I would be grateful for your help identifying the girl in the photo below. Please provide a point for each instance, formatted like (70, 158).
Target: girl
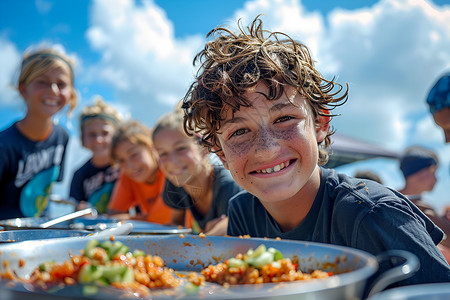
(33, 148)
(92, 184)
(193, 182)
(141, 182)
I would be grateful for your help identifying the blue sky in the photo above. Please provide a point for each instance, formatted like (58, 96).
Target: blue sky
(138, 56)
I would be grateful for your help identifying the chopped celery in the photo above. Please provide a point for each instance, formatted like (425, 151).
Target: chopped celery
(128, 275)
(236, 263)
(138, 252)
(90, 273)
(257, 252)
(114, 272)
(261, 260)
(276, 253)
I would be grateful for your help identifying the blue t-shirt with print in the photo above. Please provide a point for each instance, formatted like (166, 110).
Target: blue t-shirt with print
(356, 213)
(28, 169)
(94, 185)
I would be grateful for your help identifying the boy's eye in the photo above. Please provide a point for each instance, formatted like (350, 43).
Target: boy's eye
(180, 149)
(239, 132)
(284, 119)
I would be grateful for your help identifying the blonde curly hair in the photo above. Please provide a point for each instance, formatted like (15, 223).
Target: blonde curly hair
(233, 63)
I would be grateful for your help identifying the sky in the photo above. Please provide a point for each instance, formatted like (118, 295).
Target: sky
(137, 55)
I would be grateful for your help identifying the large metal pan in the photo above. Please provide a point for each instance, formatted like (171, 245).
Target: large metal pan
(429, 291)
(93, 224)
(192, 253)
(38, 234)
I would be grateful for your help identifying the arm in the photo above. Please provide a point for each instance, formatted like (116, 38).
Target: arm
(217, 226)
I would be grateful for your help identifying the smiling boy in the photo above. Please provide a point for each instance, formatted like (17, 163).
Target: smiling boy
(261, 105)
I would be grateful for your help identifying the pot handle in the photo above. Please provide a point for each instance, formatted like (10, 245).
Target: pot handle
(409, 266)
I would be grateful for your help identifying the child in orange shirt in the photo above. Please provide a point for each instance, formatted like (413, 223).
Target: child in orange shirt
(141, 181)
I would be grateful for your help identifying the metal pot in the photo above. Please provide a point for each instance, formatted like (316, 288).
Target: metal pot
(93, 224)
(430, 291)
(192, 253)
(38, 234)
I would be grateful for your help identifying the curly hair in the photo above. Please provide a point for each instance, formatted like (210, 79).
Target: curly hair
(233, 63)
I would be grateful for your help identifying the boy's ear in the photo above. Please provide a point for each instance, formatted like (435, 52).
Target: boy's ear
(323, 126)
(222, 157)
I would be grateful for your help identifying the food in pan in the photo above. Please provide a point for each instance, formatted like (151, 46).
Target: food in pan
(105, 264)
(111, 264)
(261, 265)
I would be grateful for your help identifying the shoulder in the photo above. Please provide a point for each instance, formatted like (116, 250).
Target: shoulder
(357, 196)
(9, 135)
(59, 132)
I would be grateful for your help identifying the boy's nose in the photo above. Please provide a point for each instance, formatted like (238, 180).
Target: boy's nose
(266, 144)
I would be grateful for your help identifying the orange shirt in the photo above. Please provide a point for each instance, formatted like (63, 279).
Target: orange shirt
(128, 193)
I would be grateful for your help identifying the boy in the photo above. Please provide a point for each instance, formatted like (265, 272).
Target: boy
(261, 105)
(439, 102)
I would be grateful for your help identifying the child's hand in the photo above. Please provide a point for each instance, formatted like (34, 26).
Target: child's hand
(217, 226)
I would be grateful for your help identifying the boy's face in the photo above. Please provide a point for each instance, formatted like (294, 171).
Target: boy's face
(180, 157)
(97, 136)
(136, 161)
(271, 147)
(442, 119)
(47, 94)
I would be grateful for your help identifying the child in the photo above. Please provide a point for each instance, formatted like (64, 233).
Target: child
(263, 107)
(419, 166)
(94, 181)
(33, 149)
(439, 102)
(141, 181)
(193, 182)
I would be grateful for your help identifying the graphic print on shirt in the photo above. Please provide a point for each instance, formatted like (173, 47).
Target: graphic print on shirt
(100, 198)
(37, 172)
(34, 196)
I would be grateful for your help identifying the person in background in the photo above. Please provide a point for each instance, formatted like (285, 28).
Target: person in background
(141, 182)
(263, 107)
(92, 183)
(419, 165)
(439, 102)
(33, 149)
(366, 174)
(192, 181)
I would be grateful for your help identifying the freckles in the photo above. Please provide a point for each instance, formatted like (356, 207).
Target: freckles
(287, 134)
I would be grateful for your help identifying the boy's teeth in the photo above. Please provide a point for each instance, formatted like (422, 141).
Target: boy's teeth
(274, 169)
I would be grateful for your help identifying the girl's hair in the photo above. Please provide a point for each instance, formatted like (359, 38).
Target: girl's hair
(37, 62)
(171, 120)
(233, 63)
(100, 110)
(134, 132)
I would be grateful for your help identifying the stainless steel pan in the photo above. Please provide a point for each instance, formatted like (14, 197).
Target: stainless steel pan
(92, 224)
(191, 253)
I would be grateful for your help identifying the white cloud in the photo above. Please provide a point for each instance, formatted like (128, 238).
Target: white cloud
(141, 58)
(9, 60)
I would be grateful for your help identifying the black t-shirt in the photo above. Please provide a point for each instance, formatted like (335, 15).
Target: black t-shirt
(355, 213)
(94, 185)
(28, 170)
(224, 187)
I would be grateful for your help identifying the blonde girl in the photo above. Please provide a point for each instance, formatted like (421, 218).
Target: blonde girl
(92, 183)
(192, 181)
(141, 181)
(33, 149)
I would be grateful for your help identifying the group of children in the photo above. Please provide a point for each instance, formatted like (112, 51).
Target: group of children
(261, 106)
